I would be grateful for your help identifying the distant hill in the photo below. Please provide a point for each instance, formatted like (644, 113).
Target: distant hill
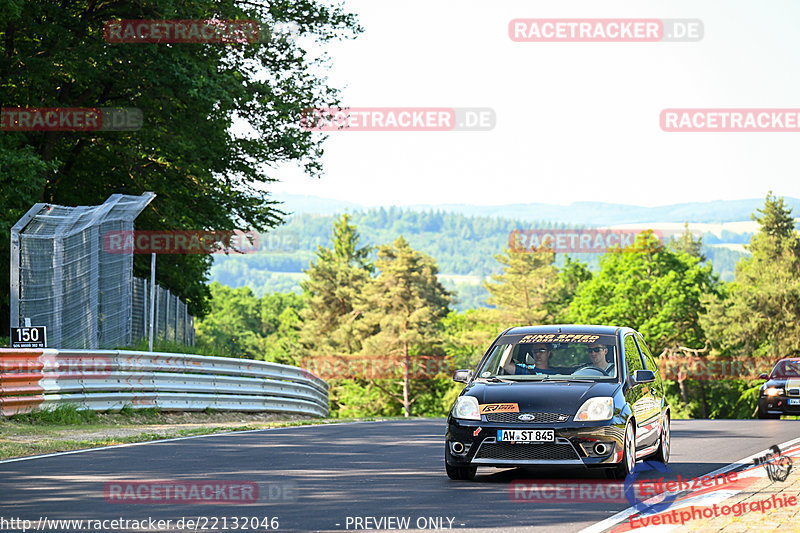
(463, 246)
(588, 213)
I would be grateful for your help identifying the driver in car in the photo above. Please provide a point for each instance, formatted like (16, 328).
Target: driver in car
(538, 353)
(597, 356)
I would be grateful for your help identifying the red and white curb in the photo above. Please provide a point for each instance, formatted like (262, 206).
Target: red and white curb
(747, 475)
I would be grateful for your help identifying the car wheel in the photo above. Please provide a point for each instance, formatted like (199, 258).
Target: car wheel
(625, 466)
(662, 454)
(461, 473)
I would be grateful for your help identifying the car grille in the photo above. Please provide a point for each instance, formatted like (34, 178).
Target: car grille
(540, 418)
(542, 452)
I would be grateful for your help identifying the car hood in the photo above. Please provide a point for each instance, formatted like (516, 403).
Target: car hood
(541, 396)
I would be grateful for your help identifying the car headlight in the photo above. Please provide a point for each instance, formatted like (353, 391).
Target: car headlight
(596, 409)
(773, 391)
(466, 408)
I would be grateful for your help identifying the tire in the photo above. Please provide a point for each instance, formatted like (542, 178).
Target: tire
(628, 454)
(662, 453)
(460, 473)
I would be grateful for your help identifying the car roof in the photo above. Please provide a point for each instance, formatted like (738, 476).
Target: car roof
(564, 328)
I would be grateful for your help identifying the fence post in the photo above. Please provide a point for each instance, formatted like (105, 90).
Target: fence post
(152, 298)
(94, 289)
(15, 253)
(146, 312)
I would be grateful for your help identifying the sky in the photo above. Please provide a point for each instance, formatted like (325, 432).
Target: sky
(574, 121)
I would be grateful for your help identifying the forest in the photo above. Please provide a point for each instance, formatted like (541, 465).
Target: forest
(361, 303)
(464, 248)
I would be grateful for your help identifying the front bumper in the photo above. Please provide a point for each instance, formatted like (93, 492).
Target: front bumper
(779, 405)
(574, 445)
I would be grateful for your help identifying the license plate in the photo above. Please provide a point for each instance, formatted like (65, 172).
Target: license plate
(794, 401)
(526, 435)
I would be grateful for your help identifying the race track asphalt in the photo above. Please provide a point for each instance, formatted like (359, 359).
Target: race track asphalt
(313, 478)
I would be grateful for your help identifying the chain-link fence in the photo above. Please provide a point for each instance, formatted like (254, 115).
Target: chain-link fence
(87, 298)
(172, 319)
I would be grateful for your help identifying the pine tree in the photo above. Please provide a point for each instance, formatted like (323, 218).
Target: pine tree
(761, 314)
(334, 282)
(776, 220)
(686, 242)
(529, 289)
(400, 308)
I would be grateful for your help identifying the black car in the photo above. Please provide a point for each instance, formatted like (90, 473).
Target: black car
(780, 395)
(566, 395)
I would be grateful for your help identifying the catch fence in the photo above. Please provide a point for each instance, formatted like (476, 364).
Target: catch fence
(62, 278)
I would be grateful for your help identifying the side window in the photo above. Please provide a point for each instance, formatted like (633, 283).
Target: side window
(632, 357)
(648, 358)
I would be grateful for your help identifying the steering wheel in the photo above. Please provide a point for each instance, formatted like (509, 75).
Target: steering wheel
(589, 367)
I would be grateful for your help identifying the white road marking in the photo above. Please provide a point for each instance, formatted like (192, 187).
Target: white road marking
(624, 514)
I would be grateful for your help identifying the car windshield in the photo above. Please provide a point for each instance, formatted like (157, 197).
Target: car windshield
(787, 369)
(571, 357)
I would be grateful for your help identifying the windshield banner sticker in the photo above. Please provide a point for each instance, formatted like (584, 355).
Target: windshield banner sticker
(564, 337)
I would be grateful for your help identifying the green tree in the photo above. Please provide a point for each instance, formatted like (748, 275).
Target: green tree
(22, 177)
(53, 54)
(648, 287)
(467, 335)
(401, 309)
(571, 275)
(334, 283)
(280, 327)
(686, 242)
(241, 325)
(760, 313)
(529, 289)
(232, 326)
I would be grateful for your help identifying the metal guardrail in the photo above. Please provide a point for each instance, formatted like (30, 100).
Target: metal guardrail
(104, 380)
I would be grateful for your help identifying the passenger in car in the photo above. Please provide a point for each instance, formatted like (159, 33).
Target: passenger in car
(536, 360)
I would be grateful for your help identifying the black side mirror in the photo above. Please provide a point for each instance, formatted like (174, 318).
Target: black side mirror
(462, 376)
(643, 376)
(763, 376)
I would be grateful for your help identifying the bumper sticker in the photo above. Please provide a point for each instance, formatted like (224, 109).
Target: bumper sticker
(499, 408)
